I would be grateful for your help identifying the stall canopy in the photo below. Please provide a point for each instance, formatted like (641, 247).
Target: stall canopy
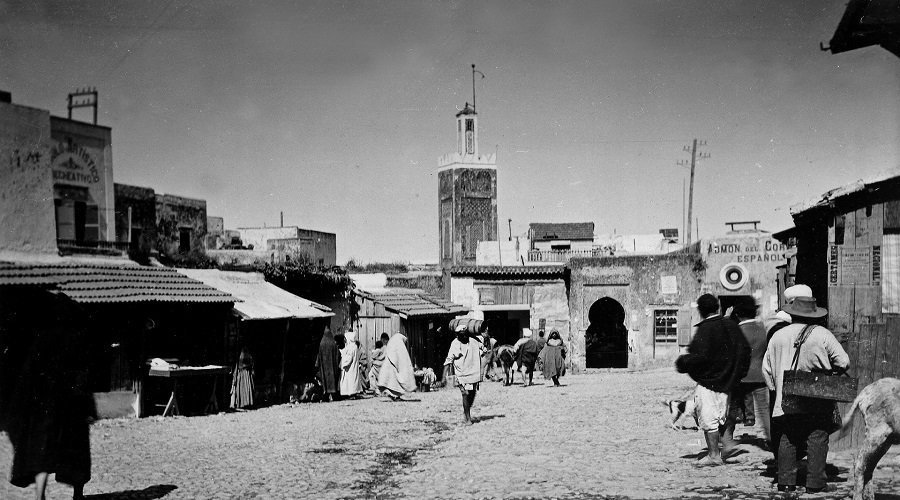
(111, 283)
(259, 299)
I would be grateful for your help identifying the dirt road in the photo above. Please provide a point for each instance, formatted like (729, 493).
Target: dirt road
(601, 435)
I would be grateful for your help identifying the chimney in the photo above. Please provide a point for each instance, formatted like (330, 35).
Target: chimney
(5, 97)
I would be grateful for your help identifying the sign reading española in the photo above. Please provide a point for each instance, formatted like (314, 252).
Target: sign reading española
(750, 252)
(71, 162)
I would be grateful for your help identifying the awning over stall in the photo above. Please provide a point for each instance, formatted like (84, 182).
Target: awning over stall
(93, 283)
(259, 298)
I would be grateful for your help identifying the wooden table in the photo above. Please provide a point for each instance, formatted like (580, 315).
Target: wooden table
(190, 371)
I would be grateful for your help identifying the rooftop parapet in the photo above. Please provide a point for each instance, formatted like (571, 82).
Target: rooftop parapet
(481, 161)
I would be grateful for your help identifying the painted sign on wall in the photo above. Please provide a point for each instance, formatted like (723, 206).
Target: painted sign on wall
(854, 266)
(72, 163)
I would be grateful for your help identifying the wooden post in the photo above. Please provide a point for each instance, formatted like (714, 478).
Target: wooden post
(287, 327)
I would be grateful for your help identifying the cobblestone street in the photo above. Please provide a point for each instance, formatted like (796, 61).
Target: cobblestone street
(601, 435)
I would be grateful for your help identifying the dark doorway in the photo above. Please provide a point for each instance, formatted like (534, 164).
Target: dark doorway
(506, 326)
(726, 301)
(606, 338)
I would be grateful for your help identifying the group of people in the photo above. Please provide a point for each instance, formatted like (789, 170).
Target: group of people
(346, 371)
(737, 361)
(470, 358)
(548, 354)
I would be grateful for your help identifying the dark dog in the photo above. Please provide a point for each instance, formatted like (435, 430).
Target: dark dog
(879, 404)
(505, 356)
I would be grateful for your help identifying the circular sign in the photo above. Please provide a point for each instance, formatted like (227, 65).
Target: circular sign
(733, 276)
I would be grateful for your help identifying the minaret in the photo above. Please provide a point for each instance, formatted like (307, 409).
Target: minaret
(467, 195)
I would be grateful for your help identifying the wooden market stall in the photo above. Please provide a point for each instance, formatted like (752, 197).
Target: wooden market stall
(423, 318)
(281, 330)
(848, 251)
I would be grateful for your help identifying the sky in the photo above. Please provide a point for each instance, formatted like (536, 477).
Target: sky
(336, 113)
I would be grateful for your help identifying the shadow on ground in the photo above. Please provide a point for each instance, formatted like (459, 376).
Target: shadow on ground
(148, 493)
(485, 418)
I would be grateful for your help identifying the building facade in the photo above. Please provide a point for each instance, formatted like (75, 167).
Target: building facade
(180, 225)
(467, 195)
(632, 311)
(510, 298)
(83, 191)
(136, 218)
(26, 193)
(744, 263)
(558, 242)
(280, 243)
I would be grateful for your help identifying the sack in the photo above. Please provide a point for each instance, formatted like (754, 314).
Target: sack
(819, 385)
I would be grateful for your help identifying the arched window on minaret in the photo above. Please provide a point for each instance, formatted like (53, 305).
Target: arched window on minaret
(467, 131)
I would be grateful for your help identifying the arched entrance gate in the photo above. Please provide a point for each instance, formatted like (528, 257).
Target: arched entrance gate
(606, 338)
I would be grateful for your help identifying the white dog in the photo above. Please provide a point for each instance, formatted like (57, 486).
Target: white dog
(681, 407)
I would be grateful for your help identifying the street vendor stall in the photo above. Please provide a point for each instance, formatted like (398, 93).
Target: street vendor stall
(176, 373)
(279, 329)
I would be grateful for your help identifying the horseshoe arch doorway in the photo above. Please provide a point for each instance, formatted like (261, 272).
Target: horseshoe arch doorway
(606, 338)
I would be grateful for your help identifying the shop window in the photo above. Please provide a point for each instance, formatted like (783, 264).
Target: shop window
(665, 326)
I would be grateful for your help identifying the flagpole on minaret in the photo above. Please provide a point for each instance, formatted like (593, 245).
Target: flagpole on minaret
(473, 84)
(473, 87)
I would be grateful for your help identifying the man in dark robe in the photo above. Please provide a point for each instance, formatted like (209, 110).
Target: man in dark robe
(526, 356)
(718, 358)
(51, 405)
(328, 363)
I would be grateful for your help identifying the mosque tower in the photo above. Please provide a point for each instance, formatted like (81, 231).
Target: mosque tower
(467, 195)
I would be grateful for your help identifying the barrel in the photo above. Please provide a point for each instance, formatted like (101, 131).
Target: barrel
(473, 326)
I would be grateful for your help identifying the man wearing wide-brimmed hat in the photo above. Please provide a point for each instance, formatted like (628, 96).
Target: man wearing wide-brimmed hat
(802, 425)
(781, 319)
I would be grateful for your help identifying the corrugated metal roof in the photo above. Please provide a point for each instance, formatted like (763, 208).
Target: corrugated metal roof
(259, 299)
(561, 231)
(412, 303)
(102, 283)
(543, 271)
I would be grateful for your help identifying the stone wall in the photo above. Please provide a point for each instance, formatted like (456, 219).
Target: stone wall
(26, 182)
(641, 284)
(550, 303)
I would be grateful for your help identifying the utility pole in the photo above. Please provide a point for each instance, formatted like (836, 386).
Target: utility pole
(84, 98)
(695, 156)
